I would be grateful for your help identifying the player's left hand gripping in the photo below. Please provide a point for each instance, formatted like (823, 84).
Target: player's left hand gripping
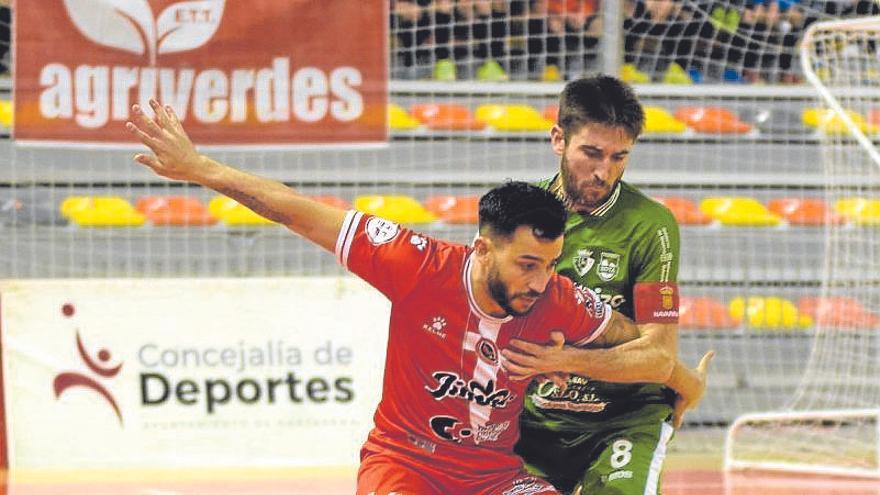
(683, 405)
(174, 155)
(523, 360)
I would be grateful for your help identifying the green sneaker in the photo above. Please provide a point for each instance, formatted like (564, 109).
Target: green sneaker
(444, 70)
(731, 20)
(717, 18)
(675, 74)
(491, 71)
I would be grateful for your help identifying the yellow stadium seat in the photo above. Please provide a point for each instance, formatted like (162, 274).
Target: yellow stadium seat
(233, 213)
(399, 119)
(827, 121)
(513, 118)
(657, 119)
(769, 312)
(861, 211)
(101, 211)
(738, 211)
(6, 113)
(400, 209)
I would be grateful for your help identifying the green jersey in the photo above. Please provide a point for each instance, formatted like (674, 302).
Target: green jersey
(628, 240)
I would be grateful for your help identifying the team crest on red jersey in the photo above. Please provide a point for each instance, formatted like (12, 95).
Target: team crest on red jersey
(487, 351)
(381, 231)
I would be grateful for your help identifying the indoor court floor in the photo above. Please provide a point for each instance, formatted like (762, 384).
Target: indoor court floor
(677, 481)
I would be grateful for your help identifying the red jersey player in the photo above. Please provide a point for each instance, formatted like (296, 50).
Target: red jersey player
(447, 420)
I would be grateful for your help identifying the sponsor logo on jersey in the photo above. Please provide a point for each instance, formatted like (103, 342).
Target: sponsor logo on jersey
(449, 384)
(422, 443)
(529, 485)
(656, 302)
(436, 326)
(613, 300)
(584, 298)
(618, 475)
(578, 395)
(490, 432)
(609, 266)
(487, 351)
(381, 231)
(583, 261)
(418, 241)
(452, 429)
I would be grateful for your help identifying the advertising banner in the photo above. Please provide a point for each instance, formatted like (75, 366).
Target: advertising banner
(293, 72)
(190, 373)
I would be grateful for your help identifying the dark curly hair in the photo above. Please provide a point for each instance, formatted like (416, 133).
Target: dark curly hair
(514, 204)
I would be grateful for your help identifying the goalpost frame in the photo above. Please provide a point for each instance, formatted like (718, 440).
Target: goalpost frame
(731, 464)
(861, 24)
(867, 24)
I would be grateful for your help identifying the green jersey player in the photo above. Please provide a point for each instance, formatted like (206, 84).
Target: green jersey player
(606, 430)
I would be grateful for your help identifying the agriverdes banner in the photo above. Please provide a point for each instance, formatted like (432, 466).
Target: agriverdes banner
(292, 72)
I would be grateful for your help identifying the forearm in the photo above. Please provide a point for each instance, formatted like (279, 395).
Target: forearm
(275, 201)
(637, 361)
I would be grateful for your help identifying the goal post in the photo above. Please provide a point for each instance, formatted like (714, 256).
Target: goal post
(831, 425)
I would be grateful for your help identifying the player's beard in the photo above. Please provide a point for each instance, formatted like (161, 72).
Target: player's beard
(500, 292)
(574, 199)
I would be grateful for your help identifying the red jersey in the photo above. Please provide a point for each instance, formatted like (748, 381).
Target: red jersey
(445, 397)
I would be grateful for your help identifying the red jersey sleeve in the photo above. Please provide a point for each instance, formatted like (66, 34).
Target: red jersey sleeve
(586, 314)
(386, 256)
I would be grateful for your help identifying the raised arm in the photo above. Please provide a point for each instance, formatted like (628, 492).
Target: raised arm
(175, 157)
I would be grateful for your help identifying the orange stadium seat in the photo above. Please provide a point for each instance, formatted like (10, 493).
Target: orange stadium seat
(684, 210)
(704, 313)
(455, 209)
(101, 211)
(513, 118)
(174, 211)
(400, 209)
(769, 312)
(804, 211)
(551, 113)
(838, 311)
(712, 120)
(874, 117)
(738, 211)
(446, 117)
(233, 213)
(331, 200)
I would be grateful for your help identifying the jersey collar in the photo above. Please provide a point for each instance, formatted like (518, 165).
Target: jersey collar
(606, 206)
(556, 188)
(466, 279)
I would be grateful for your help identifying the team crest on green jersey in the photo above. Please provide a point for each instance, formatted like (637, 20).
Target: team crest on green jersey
(583, 261)
(609, 264)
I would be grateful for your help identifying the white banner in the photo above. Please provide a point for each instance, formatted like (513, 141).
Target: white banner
(190, 373)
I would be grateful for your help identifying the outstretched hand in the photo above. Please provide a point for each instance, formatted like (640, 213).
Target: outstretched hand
(174, 155)
(684, 404)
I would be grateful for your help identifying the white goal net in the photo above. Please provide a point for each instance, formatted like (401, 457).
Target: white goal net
(831, 423)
